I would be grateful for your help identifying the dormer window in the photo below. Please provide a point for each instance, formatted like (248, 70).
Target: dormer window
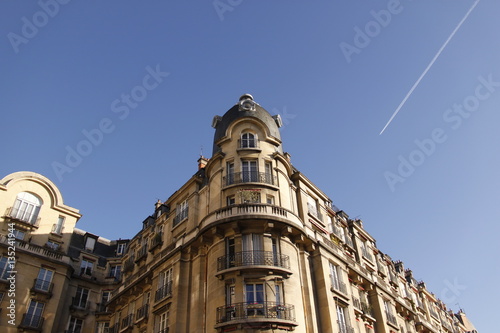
(248, 140)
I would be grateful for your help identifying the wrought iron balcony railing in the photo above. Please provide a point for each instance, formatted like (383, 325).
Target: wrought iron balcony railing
(269, 310)
(181, 216)
(142, 312)
(253, 258)
(128, 321)
(141, 253)
(163, 292)
(249, 177)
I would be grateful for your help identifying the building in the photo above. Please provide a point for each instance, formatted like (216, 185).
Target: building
(247, 244)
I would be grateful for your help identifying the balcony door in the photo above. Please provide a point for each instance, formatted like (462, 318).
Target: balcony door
(254, 296)
(253, 250)
(249, 171)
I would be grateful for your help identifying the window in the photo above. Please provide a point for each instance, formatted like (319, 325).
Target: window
(120, 248)
(44, 279)
(230, 253)
(164, 285)
(4, 268)
(229, 173)
(18, 234)
(252, 242)
(336, 278)
(161, 322)
(249, 171)
(115, 271)
(388, 313)
(181, 212)
(53, 245)
(90, 243)
(33, 317)
(102, 327)
(26, 207)
(269, 173)
(248, 140)
(58, 227)
(250, 196)
(105, 297)
(254, 296)
(312, 207)
(270, 200)
(343, 320)
(75, 325)
(364, 250)
(86, 267)
(81, 298)
(231, 200)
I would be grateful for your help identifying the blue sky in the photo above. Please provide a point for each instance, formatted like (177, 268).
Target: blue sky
(426, 189)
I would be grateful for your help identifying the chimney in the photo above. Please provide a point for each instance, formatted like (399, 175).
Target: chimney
(202, 162)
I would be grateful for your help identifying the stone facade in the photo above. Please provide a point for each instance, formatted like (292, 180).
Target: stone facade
(247, 244)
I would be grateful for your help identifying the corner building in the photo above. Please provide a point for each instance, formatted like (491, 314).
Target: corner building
(247, 244)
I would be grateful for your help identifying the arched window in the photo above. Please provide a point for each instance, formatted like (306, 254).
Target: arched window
(26, 207)
(248, 140)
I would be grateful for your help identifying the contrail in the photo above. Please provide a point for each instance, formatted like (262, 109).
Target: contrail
(430, 65)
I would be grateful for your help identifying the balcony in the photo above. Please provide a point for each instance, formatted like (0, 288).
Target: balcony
(142, 253)
(181, 216)
(250, 144)
(23, 218)
(252, 259)
(251, 211)
(42, 287)
(249, 177)
(127, 322)
(36, 249)
(156, 240)
(128, 265)
(142, 313)
(260, 312)
(163, 292)
(31, 322)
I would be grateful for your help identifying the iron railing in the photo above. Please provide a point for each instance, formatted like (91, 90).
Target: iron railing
(253, 258)
(142, 312)
(163, 292)
(270, 310)
(249, 177)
